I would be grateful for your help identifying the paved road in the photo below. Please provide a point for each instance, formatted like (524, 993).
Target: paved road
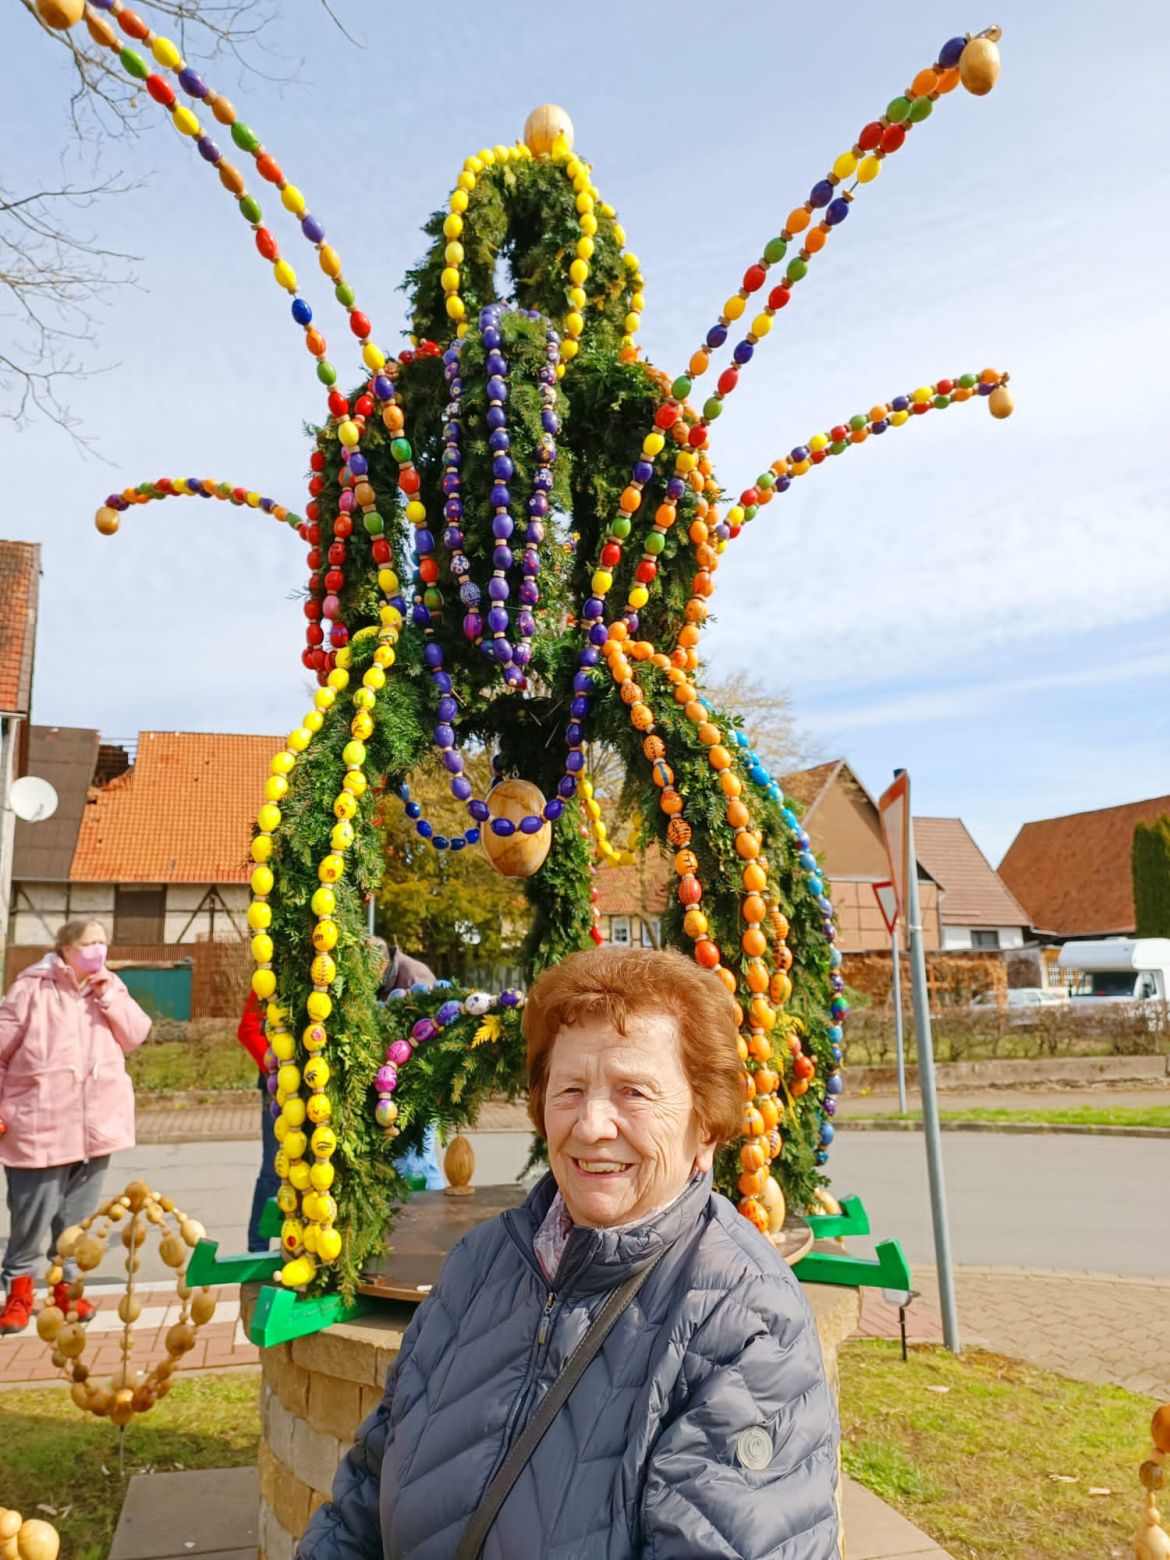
(1088, 1204)
(1078, 1203)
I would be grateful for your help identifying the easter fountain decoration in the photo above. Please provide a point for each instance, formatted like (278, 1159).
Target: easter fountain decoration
(514, 528)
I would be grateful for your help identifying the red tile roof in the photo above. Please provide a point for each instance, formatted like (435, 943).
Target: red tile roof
(1072, 874)
(20, 575)
(636, 890)
(807, 786)
(973, 893)
(182, 814)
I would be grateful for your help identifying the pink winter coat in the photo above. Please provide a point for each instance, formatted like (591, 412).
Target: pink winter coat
(65, 1094)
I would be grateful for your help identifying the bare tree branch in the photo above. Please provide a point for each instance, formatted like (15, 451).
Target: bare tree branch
(53, 274)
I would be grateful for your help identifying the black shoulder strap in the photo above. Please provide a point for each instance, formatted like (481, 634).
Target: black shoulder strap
(554, 1400)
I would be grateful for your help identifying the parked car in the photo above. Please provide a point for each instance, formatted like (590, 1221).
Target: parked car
(1022, 1004)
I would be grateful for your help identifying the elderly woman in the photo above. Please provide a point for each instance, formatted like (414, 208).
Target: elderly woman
(701, 1424)
(66, 1102)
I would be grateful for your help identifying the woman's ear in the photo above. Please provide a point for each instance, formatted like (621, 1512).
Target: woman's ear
(705, 1157)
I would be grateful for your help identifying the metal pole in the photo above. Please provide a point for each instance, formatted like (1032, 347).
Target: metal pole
(899, 1037)
(934, 1164)
(370, 915)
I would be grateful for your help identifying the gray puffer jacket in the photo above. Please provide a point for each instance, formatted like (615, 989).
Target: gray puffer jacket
(702, 1428)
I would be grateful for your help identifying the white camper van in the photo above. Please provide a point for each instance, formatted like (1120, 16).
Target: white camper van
(1122, 969)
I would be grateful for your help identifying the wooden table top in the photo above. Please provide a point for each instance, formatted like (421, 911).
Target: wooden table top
(431, 1224)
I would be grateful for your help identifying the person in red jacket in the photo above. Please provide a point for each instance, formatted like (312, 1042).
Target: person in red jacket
(250, 1034)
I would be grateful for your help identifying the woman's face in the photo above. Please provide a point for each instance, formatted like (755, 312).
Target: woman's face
(620, 1119)
(93, 936)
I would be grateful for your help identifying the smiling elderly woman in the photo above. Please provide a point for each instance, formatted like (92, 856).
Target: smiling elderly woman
(622, 1366)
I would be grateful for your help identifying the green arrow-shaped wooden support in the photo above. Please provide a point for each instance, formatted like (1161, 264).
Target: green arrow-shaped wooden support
(890, 1271)
(208, 1267)
(271, 1219)
(282, 1315)
(852, 1220)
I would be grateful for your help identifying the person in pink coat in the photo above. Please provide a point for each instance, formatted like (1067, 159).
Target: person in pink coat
(66, 1102)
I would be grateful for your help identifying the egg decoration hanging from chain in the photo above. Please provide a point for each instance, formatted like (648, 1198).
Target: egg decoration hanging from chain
(60, 14)
(979, 63)
(517, 836)
(129, 1391)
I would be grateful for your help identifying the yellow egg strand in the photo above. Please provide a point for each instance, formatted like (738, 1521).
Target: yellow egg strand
(606, 850)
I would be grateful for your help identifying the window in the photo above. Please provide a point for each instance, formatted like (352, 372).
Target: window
(984, 939)
(619, 931)
(139, 914)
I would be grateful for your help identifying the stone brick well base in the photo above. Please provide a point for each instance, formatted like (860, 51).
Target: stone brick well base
(316, 1391)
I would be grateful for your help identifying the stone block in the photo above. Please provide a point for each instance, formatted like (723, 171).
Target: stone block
(371, 1397)
(347, 1351)
(316, 1501)
(268, 1466)
(286, 1378)
(279, 1434)
(316, 1455)
(386, 1359)
(292, 1503)
(211, 1512)
(276, 1543)
(335, 1406)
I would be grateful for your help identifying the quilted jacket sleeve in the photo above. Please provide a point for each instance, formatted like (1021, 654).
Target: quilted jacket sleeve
(13, 1022)
(747, 1469)
(349, 1527)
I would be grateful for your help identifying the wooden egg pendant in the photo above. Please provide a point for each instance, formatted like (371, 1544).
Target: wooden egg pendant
(545, 126)
(1000, 403)
(516, 855)
(60, 13)
(774, 1202)
(979, 66)
(459, 1167)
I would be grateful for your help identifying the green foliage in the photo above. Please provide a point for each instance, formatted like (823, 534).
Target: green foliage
(450, 909)
(1151, 877)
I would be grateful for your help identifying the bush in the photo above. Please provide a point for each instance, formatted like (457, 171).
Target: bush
(977, 1034)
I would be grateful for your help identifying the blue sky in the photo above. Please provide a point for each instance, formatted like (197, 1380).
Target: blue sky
(985, 603)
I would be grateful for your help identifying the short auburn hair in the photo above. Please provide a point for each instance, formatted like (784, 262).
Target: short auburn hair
(617, 984)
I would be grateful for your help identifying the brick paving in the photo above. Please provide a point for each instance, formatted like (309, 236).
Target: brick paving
(1104, 1328)
(222, 1343)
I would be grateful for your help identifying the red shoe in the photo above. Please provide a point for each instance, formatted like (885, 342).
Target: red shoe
(15, 1316)
(63, 1302)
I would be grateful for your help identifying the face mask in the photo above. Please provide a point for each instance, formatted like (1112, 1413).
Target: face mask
(88, 960)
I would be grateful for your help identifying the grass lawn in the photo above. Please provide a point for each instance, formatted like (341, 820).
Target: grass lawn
(972, 1465)
(212, 1063)
(1074, 1116)
(56, 1456)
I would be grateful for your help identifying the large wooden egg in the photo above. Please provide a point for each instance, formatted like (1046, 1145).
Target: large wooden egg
(544, 127)
(516, 855)
(1000, 403)
(979, 66)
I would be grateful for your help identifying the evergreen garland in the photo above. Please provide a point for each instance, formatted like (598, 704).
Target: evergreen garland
(522, 214)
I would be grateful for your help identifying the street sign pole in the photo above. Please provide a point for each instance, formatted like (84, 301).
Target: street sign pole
(899, 1037)
(925, 1046)
(888, 896)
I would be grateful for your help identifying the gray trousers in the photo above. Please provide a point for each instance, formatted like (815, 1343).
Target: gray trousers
(42, 1203)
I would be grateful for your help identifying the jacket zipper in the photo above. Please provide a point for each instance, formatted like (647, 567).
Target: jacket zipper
(525, 1392)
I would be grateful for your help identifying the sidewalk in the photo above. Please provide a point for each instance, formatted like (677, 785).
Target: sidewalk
(1099, 1327)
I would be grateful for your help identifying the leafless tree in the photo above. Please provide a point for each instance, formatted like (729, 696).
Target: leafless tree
(53, 271)
(768, 721)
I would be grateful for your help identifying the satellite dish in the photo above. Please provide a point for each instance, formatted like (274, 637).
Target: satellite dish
(32, 799)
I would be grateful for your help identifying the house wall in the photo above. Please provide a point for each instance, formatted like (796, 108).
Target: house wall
(9, 734)
(845, 830)
(39, 910)
(860, 926)
(639, 933)
(959, 937)
(195, 913)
